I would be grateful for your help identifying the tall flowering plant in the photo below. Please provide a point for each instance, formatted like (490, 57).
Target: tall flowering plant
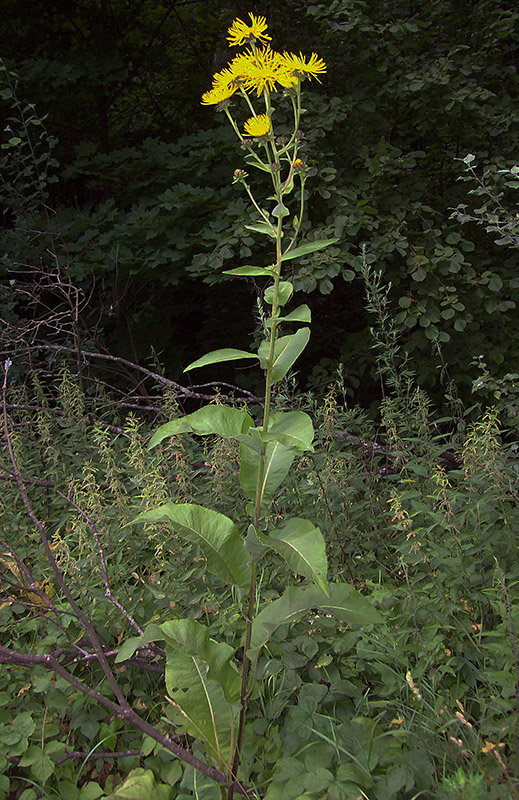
(208, 683)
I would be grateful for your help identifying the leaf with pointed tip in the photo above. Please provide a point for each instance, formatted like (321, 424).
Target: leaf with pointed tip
(259, 272)
(291, 428)
(262, 227)
(302, 546)
(194, 639)
(151, 633)
(215, 534)
(349, 605)
(280, 211)
(287, 351)
(221, 420)
(299, 314)
(278, 460)
(307, 247)
(285, 290)
(197, 670)
(218, 356)
(344, 602)
(253, 545)
(293, 604)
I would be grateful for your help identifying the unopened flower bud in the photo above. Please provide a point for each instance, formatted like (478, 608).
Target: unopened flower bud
(239, 175)
(299, 165)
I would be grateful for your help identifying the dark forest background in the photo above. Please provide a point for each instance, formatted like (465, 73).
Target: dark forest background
(119, 215)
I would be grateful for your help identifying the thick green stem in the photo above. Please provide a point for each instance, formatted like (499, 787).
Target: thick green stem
(273, 156)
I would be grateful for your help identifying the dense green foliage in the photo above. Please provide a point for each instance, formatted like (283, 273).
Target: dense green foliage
(322, 603)
(424, 705)
(143, 203)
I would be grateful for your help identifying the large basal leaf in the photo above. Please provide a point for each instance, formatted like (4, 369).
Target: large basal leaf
(291, 428)
(217, 356)
(215, 534)
(193, 638)
(286, 352)
(307, 247)
(344, 602)
(220, 420)
(302, 546)
(278, 460)
(203, 710)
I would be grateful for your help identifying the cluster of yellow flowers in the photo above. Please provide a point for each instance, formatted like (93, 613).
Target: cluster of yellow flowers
(259, 69)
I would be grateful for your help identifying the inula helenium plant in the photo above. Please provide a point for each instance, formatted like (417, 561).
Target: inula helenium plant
(209, 683)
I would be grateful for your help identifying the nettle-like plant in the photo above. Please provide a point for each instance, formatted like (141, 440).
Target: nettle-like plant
(208, 684)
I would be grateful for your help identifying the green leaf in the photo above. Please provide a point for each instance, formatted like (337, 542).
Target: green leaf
(280, 211)
(291, 606)
(287, 351)
(221, 420)
(419, 275)
(259, 272)
(151, 634)
(140, 784)
(307, 247)
(495, 283)
(344, 602)
(24, 724)
(253, 545)
(218, 356)
(91, 791)
(42, 766)
(215, 534)
(278, 460)
(302, 546)
(197, 668)
(291, 428)
(349, 605)
(299, 314)
(262, 227)
(285, 290)
(194, 639)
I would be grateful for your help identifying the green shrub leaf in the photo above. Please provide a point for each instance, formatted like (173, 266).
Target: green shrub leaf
(140, 784)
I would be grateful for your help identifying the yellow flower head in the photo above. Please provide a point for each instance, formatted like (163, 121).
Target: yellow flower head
(217, 95)
(301, 67)
(240, 33)
(261, 69)
(257, 126)
(225, 78)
